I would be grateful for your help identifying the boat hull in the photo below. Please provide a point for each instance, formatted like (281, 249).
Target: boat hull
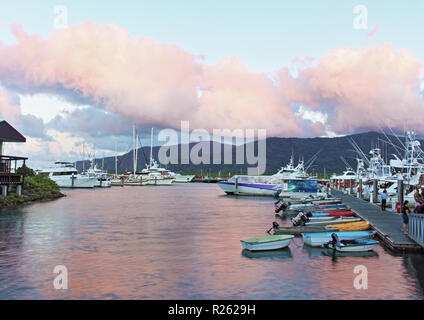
(332, 221)
(248, 189)
(79, 182)
(319, 239)
(361, 246)
(297, 231)
(266, 246)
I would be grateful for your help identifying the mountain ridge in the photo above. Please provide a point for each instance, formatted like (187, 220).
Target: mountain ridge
(278, 153)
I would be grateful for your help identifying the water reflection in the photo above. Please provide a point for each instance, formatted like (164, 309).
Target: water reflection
(181, 242)
(268, 255)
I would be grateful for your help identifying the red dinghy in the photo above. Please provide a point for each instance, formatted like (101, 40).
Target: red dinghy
(341, 214)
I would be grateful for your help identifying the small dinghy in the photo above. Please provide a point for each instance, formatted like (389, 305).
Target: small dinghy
(331, 214)
(274, 242)
(297, 231)
(319, 239)
(353, 226)
(345, 213)
(303, 220)
(354, 245)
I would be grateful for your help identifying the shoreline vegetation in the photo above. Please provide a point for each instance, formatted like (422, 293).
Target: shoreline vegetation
(36, 188)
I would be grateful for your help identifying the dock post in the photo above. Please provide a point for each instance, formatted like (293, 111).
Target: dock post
(360, 189)
(19, 189)
(375, 191)
(236, 184)
(351, 187)
(4, 191)
(400, 192)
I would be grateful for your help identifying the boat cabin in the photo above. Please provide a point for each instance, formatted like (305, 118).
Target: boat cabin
(9, 177)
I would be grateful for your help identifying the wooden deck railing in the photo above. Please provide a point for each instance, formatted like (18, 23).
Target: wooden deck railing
(8, 170)
(416, 228)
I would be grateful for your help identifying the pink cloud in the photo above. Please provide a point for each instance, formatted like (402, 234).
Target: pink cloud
(362, 88)
(149, 82)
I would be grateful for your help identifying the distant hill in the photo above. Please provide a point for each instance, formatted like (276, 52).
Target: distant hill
(278, 153)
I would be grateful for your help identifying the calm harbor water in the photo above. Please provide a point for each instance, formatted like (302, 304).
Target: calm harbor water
(178, 242)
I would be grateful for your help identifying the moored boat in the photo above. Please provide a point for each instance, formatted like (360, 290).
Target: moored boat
(297, 231)
(319, 239)
(303, 220)
(354, 245)
(353, 226)
(273, 242)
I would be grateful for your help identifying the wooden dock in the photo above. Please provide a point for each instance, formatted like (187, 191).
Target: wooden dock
(387, 224)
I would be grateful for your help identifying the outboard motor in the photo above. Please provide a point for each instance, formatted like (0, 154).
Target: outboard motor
(309, 214)
(335, 240)
(281, 206)
(300, 219)
(275, 226)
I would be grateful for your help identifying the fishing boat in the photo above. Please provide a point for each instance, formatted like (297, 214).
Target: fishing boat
(319, 239)
(103, 178)
(273, 242)
(354, 245)
(153, 174)
(353, 226)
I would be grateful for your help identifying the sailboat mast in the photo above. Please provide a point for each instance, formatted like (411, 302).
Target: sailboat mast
(83, 157)
(136, 152)
(151, 149)
(116, 158)
(134, 149)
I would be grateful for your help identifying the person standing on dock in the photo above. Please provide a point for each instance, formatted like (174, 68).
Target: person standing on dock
(384, 200)
(405, 216)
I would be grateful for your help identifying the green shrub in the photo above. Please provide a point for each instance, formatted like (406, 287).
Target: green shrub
(41, 183)
(26, 171)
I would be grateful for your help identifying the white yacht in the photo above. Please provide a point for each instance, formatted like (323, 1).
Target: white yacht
(153, 174)
(66, 176)
(103, 178)
(287, 182)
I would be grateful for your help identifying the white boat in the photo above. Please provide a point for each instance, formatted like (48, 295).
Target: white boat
(66, 176)
(302, 220)
(181, 178)
(274, 242)
(153, 174)
(289, 181)
(103, 178)
(319, 239)
(355, 245)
